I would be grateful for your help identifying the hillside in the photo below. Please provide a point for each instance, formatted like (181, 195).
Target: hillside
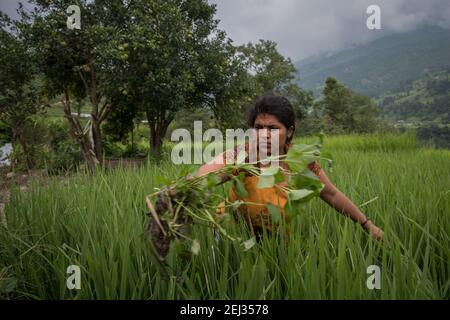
(425, 99)
(385, 65)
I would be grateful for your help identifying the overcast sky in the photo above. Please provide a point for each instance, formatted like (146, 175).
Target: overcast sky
(305, 27)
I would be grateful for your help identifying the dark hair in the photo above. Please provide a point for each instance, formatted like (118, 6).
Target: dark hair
(273, 104)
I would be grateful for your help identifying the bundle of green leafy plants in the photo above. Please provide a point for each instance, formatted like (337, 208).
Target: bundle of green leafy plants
(192, 199)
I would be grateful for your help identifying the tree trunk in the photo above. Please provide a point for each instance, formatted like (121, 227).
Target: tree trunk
(79, 106)
(132, 141)
(77, 133)
(89, 155)
(24, 145)
(98, 113)
(18, 137)
(97, 139)
(158, 127)
(155, 140)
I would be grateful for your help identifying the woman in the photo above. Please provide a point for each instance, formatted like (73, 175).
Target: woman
(274, 114)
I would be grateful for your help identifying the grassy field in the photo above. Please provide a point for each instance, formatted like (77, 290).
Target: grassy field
(98, 223)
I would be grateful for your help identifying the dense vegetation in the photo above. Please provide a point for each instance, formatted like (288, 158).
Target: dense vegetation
(131, 61)
(426, 99)
(140, 68)
(341, 110)
(407, 73)
(97, 222)
(74, 101)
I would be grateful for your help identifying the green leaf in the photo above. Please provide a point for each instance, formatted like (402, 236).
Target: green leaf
(248, 244)
(270, 171)
(293, 159)
(195, 247)
(265, 181)
(212, 179)
(274, 212)
(248, 168)
(300, 155)
(305, 179)
(279, 177)
(300, 194)
(240, 188)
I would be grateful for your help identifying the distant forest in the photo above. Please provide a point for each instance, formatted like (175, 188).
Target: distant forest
(426, 99)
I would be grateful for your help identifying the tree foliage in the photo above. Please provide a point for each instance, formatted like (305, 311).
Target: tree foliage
(346, 111)
(21, 87)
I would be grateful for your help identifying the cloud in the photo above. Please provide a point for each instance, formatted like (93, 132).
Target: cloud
(10, 7)
(305, 27)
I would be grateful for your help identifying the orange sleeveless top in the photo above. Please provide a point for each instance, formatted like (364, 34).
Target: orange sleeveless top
(254, 210)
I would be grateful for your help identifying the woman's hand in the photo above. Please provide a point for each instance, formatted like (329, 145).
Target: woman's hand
(336, 199)
(374, 231)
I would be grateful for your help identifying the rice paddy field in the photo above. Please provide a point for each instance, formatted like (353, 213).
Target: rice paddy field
(97, 223)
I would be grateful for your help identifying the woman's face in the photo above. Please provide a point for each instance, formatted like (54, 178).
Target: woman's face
(268, 128)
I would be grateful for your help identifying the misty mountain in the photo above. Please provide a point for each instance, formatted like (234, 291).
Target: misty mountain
(386, 65)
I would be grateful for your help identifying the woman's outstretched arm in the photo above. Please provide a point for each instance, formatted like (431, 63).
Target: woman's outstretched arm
(339, 201)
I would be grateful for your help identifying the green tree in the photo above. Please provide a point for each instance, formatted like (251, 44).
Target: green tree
(167, 46)
(230, 85)
(75, 61)
(269, 71)
(346, 111)
(21, 87)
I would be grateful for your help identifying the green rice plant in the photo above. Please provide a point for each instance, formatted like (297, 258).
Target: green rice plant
(97, 222)
(382, 142)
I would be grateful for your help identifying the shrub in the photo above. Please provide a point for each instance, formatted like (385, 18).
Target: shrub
(49, 146)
